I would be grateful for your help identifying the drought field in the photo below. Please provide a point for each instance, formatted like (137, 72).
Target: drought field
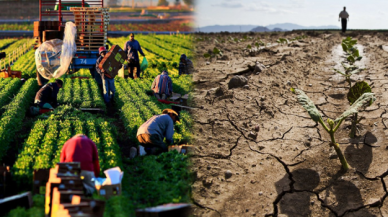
(260, 153)
(29, 143)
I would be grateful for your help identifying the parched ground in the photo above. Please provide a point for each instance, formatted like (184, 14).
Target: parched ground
(289, 169)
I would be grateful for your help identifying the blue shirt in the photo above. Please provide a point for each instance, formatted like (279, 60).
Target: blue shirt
(161, 125)
(131, 48)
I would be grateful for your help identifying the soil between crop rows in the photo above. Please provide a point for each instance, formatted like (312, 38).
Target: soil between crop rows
(289, 169)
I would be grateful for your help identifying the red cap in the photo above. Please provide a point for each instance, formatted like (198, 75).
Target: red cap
(101, 49)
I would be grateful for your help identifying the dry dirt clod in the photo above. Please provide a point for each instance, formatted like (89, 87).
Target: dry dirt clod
(252, 135)
(228, 174)
(257, 129)
(237, 81)
(207, 63)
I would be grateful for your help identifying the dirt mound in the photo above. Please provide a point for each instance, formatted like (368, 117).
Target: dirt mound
(237, 81)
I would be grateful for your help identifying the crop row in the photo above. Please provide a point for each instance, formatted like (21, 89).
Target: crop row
(6, 42)
(184, 42)
(173, 48)
(15, 113)
(43, 147)
(81, 93)
(26, 64)
(170, 26)
(8, 90)
(12, 51)
(136, 107)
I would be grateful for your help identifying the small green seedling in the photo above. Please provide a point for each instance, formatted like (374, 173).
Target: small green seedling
(282, 41)
(354, 93)
(363, 101)
(213, 53)
(348, 46)
(349, 71)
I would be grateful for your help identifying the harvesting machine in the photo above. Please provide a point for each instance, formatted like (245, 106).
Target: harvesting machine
(91, 20)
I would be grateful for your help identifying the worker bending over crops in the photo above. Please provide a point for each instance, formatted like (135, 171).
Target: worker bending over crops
(185, 65)
(82, 149)
(162, 86)
(131, 47)
(152, 132)
(46, 97)
(108, 83)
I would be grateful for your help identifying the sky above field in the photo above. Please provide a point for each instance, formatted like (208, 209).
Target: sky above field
(363, 14)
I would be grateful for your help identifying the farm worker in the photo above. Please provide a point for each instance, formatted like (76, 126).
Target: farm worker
(185, 65)
(162, 86)
(46, 97)
(82, 149)
(344, 16)
(131, 47)
(108, 83)
(152, 132)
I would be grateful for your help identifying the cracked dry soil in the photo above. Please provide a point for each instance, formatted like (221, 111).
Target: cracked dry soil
(289, 168)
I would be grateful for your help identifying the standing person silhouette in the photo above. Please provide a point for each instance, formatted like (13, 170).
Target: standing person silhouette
(344, 16)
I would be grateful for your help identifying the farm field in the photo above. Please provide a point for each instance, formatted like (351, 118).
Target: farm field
(29, 143)
(259, 153)
(172, 26)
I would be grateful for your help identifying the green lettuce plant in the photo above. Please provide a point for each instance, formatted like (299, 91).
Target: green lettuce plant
(363, 101)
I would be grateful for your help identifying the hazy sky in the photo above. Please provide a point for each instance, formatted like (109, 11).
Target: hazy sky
(363, 14)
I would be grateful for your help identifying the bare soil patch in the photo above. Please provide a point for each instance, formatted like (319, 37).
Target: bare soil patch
(279, 159)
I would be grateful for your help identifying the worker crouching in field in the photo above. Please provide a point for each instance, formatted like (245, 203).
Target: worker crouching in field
(152, 132)
(185, 65)
(162, 86)
(108, 83)
(46, 97)
(82, 149)
(131, 47)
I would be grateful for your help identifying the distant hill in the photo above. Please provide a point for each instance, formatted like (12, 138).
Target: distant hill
(261, 29)
(291, 26)
(227, 28)
(247, 28)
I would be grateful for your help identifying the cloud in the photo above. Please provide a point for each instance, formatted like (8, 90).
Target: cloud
(265, 7)
(228, 4)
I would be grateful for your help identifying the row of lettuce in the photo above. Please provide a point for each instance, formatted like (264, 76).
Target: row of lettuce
(162, 52)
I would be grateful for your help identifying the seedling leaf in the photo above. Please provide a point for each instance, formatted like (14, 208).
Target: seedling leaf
(249, 46)
(351, 59)
(206, 55)
(344, 47)
(308, 104)
(339, 72)
(363, 101)
(355, 71)
(216, 51)
(357, 90)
